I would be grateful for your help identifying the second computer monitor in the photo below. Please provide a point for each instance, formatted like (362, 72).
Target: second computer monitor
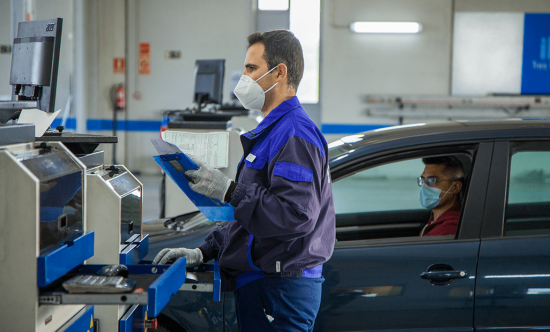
(209, 81)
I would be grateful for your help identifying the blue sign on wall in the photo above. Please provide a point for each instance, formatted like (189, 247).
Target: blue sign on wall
(535, 76)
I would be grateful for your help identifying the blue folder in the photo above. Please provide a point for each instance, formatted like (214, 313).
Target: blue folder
(175, 163)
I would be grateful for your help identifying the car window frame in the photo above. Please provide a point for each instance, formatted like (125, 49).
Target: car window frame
(471, 219)
(371, 164)
(497, 191)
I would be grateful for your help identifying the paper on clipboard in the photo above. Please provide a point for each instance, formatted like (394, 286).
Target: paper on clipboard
(175, 163)
(210, 148)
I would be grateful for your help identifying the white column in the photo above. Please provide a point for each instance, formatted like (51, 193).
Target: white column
(17, 16)
(79, 61)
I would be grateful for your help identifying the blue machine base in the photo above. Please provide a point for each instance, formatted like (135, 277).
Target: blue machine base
(170, 280)
(63, 259)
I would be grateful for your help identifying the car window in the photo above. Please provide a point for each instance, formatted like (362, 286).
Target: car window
(383, 201)
(383, 188)
(528, 205)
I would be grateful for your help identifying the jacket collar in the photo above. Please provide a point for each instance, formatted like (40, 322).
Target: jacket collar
(278, 112)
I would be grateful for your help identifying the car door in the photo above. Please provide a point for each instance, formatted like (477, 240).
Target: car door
(374, 279)
(513, 281)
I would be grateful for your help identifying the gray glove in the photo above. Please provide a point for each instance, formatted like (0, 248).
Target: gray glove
(209, 181)
(194, 256)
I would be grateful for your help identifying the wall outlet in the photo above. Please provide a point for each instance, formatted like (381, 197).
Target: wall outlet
(172, 54)
(5, 48)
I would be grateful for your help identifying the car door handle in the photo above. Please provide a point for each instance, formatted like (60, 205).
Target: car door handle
(444, 275)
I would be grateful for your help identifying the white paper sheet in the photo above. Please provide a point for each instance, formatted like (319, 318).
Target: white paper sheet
(210, 148)
(40, 119)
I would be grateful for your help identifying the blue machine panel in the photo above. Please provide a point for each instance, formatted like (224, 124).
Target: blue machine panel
(165, 286)
(535, 77)
(65, 258)
(135, 251)
(217, 286)
(134, 314)
(130, 255)
(85, 323)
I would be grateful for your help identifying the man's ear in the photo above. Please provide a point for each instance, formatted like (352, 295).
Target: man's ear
(282, 72)
(457, 188)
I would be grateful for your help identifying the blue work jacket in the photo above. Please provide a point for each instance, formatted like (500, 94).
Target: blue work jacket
(284, 212)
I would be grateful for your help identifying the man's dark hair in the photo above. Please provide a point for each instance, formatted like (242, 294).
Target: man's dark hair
(453, 166)
(282, 47)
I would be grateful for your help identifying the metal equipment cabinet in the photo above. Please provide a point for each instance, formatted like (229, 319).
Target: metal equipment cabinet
(28, 172)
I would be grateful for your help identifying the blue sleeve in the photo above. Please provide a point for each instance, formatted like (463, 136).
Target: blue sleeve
(289, 207)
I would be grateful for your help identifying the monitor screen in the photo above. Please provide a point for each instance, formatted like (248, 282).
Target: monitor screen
(35, 62)
(209, 81)
(204, 83)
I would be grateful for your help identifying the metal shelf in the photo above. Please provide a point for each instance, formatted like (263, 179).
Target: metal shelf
(458, 107)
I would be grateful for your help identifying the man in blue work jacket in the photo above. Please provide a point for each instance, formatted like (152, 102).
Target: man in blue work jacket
(272, 255)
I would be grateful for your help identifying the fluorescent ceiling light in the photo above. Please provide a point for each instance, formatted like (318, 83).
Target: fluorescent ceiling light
(386, 27)
(273, 4)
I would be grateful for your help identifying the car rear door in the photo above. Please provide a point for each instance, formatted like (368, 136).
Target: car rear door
(377, 283)
(513, 281)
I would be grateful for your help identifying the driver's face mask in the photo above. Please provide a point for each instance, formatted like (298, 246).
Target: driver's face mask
(250, 93)
(429, 196)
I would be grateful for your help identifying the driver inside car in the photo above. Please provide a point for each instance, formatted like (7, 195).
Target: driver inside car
(440, 185)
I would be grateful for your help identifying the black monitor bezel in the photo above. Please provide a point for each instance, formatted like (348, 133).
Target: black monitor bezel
(204, 66)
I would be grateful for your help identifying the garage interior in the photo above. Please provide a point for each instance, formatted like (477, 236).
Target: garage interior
(466, 61)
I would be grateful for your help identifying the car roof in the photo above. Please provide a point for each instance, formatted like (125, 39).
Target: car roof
(353, 146)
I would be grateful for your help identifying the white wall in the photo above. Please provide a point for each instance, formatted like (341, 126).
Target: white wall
(483, 45)
(528, 6)
(110, 43)
(355, 65)
(105, 40)
(488, 36)
(200, 30)
(352, 65)
(208, 29)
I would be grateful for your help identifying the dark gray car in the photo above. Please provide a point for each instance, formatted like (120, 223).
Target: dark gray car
(494, 274)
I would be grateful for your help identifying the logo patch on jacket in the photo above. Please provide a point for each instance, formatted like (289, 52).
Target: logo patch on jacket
(251, 157)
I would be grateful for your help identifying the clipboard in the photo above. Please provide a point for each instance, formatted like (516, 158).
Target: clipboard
(175, 163)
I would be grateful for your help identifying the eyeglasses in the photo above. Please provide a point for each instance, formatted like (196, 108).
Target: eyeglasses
(432, 181)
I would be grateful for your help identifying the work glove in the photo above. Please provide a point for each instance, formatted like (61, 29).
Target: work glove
(194, 256)
(209, 181)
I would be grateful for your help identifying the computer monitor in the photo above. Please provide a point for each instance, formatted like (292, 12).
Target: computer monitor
(209, 81)
(35, 62)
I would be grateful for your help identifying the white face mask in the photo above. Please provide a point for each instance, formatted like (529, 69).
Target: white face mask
(250, 93)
